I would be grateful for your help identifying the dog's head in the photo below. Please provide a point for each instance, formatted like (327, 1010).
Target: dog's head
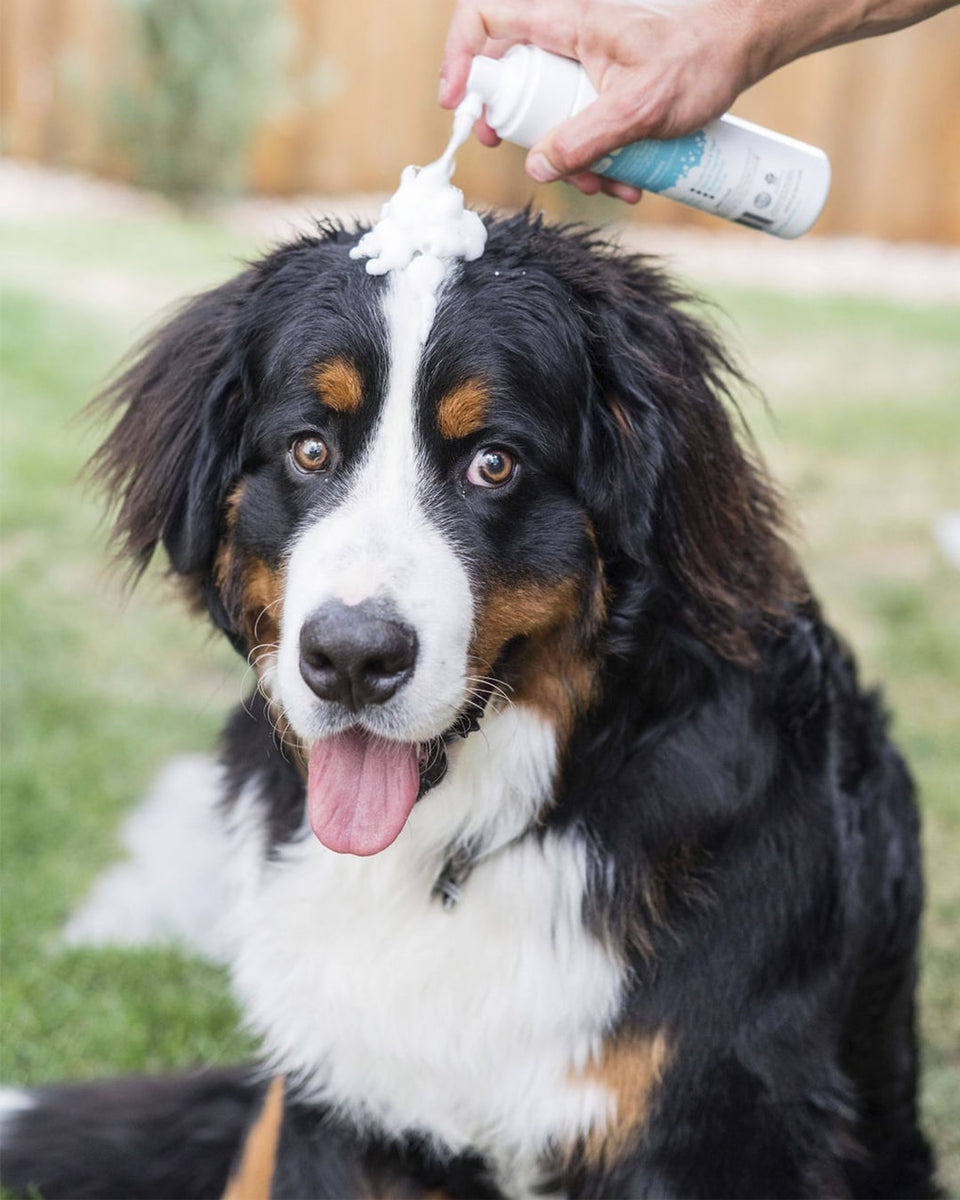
(399, 534)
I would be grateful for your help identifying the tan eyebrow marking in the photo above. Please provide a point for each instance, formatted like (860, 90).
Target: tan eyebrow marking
(339, 384)
(463, 410)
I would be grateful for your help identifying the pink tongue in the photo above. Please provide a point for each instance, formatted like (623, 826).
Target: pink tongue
(360, 791)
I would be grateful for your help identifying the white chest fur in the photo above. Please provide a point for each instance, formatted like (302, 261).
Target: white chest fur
(466, 1022)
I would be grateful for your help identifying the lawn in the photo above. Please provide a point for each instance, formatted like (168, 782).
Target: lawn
(100, 685)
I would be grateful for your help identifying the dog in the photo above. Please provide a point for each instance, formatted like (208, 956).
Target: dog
(570, 856)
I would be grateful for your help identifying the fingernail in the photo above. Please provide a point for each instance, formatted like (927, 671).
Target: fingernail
(541, 168)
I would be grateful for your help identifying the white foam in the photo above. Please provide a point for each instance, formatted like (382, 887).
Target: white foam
(424, 227)
(173, 884)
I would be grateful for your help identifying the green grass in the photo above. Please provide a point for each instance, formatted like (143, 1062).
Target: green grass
(86, 672)
(865, 435)
(99, 687)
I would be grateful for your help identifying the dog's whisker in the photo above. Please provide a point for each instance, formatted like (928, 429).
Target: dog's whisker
(267, 648)
(263, 612)
(280, 724)
(481, 689)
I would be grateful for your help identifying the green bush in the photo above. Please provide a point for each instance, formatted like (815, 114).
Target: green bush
(195, 81)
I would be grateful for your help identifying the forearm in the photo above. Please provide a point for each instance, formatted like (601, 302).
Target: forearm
(785, 30)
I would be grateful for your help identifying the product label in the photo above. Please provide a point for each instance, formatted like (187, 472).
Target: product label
(722, 170)
(655, 166)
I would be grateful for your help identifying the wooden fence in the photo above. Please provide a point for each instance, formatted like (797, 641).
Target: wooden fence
(887, 111)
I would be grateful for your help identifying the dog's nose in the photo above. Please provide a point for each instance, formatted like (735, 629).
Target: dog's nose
(356, 655)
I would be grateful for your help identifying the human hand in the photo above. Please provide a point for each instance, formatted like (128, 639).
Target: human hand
(662, 68)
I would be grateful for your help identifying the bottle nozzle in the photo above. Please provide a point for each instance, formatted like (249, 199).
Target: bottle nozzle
(484, 77)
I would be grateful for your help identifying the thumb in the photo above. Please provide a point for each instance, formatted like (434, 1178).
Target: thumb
(610, 122)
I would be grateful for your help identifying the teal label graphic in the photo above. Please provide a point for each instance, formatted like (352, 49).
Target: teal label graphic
(654, 165)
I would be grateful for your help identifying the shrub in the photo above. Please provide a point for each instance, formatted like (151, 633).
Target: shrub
(196, 79)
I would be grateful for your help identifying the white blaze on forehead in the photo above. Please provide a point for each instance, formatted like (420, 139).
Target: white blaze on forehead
(379, 542)
(424, 227)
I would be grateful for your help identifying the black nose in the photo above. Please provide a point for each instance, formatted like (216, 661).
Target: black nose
(356, 655)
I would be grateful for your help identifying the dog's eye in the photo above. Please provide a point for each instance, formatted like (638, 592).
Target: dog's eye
(309, 453)
(491, 467)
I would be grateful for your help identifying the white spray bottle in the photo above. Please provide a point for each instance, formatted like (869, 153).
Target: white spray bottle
(730, 168)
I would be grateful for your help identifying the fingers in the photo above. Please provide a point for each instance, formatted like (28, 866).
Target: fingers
(484, 134)
(585, 182)
(576, 144)
(590, 185)
(655, 75)
(492, 26)
(453, 88)
(621, 191)
(466, 37)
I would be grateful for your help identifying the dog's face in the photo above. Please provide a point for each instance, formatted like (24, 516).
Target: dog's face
(401, 532)
(407, 518)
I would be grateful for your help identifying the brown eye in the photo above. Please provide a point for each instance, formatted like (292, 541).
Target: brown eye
(491, 467)
(309, 453)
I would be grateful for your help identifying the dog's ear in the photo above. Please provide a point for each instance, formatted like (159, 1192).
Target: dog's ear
(674, 490)
(175, 450)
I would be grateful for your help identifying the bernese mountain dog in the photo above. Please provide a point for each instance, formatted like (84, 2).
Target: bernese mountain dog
(571, 858)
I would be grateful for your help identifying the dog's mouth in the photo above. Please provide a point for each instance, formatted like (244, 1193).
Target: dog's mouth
(362, 788)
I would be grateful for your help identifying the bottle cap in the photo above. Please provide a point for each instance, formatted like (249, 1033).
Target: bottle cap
(484, 78)
(528, 91)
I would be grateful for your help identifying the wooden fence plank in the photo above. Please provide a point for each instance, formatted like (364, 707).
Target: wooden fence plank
(361, 104)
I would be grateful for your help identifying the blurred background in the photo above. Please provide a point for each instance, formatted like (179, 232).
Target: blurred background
(149, 148)
(332, 96)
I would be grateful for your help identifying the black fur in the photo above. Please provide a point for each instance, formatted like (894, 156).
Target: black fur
(752, 831)
(174, 1138)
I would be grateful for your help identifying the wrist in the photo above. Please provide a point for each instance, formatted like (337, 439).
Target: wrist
(776, 32)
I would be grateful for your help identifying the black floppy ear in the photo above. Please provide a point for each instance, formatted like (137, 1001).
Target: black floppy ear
(170, 459)
(677, 495)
